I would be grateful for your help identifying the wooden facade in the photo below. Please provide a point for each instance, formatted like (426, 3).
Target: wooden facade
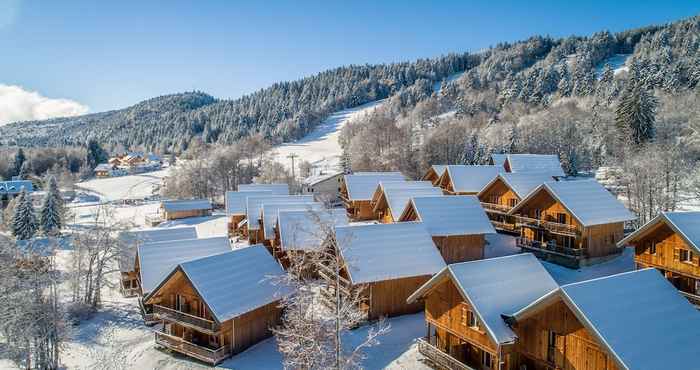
(498, 199)
(661, 247)
(550, 231)
(175, 215)
(190, 328)
(433, 175)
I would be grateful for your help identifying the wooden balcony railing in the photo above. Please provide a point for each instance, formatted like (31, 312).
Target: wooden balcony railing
(692, 298)
(550, 247)
(195, 322)
(548, 225)
(439, 358)
(147, 314)
(130, 292)
(211, 356)
(504, 226)
(492, 207)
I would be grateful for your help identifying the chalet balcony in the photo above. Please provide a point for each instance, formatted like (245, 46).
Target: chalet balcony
(495, 208)
(553, 227)
(130, 292)
(147, 314)
(185, 319)
(440, 359)
(177, 344)
(570, 257)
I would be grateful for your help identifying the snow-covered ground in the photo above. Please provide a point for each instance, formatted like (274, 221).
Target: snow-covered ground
(617, 63)
(124, 187)
(321, 147)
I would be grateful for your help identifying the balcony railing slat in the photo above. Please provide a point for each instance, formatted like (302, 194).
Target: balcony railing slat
(549, 225)
(440, 358)
(549, 248)
(213, 356)
(185, 318)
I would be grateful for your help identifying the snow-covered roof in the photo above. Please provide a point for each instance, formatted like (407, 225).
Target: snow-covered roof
(587, 201)
(315, 179)
(15, 186)
(498, 159)
(236, 282)
(452, 215)
(236, 200)
(535, 163)
(362, 185)
(276, 189)
(270, 212)
(254, 205)
(132, 239)
(685, 224)
(388, 251)
(103, 167)
(301, 230)
(471, 179)
(627, 310)
(186, 205)
(522, 183)
(156, 260)
(496, 286)
(398, 193)
(438, 169)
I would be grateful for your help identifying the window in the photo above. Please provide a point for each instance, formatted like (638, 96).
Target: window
(552, 339)
(512, 202)
(486, 359)
(473, 322)
(538, 213)
(652, 248)
(561, 218)
(686, 256)
(465, 315)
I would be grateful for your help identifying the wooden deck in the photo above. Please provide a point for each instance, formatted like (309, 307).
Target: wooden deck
(185, 319)
(177, 344)
(554, 227)
(438, 358)
(495, 208)
(148, 317)
(569, 257)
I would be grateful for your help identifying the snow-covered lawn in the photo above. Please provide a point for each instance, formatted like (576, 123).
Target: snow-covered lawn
(124, 187)
(321, 146)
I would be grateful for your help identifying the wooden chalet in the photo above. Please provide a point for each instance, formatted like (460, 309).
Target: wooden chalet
(154, 260)
(386, 262)
(529, 163)
(131, 240)
(434, 172)
(504, 192)
(217, 306)
(457, 224)
(572, 223)
(467, 180)
(177, 209)
(303, 232)
(607, 324)
(356, 192)
(236, 202)
(391, 197)
(254, 207)
(670, 243)
(275, 189)
(463, 308)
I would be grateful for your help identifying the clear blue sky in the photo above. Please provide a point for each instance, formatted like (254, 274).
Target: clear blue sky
(110, 54)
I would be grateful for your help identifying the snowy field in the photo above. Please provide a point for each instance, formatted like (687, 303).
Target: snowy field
(124, 187)
(321, 147)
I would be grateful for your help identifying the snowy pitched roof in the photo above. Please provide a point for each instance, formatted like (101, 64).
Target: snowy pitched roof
(270, 211)
(438, 169)
(300, 230)
(132, 239)
(156, 260)
(627, 310)
(254, 206)
(388, 251)
(496, 286)
(587, 201)
(361, 185)
(15, 186)
(103, 167)
(398, 193)
(471, 179)
(521, 183)
(685, 224)
(315, 179)
(498, 159)
(186, 205)
(535, 163)
(235, 282)
(452, 215)
(236, 200)
(276, 189)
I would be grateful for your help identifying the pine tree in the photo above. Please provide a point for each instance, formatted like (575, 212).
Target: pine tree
(19, 162)
(51, 216)
(635, 115)
(24, 224)
(95, 154)
(345, 162)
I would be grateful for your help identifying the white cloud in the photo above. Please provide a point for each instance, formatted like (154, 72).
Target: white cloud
(18, 104)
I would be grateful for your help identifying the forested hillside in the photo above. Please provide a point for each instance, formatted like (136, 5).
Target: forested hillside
(281, 112)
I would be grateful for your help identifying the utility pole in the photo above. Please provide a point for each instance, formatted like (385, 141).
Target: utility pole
(292, 156)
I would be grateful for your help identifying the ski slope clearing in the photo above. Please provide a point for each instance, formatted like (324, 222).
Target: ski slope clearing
(124, 187)
(617, 63)
(321, 147)
(438, 85)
